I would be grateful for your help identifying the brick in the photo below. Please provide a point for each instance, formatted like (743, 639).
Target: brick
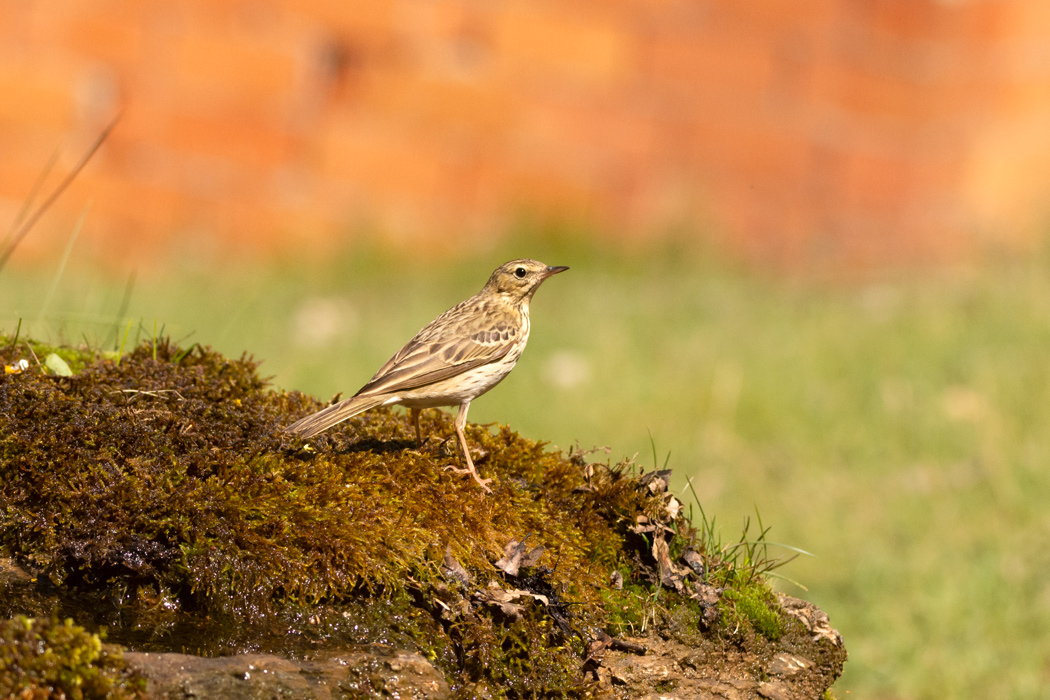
(814, 130)
(229, 69)
(115, 35)
(349, 17)
(35, 98)
(593, 49)
(717, 63)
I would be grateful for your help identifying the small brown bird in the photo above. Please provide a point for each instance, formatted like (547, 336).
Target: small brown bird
(456, 358)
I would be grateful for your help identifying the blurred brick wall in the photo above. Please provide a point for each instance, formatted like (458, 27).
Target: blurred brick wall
(861, 132)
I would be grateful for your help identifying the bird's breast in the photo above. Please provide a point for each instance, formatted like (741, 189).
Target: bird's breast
(462, 388)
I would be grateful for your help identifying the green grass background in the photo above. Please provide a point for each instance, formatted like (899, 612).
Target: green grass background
(896, 429)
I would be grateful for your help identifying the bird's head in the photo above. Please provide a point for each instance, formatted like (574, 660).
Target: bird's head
(518, 279)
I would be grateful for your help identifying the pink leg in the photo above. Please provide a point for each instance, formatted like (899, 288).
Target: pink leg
(415, 421)
(461, 422)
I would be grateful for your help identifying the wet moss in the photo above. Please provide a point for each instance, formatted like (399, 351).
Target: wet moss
(626, 609)
(161, 493)
(45, 658)
(518, 658)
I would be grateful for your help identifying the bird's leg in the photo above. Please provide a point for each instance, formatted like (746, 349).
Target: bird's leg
(461, 421)
(415, 421)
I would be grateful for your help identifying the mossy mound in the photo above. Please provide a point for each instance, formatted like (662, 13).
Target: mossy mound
(157, 491)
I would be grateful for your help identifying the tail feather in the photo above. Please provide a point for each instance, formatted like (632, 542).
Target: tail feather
(324, 419)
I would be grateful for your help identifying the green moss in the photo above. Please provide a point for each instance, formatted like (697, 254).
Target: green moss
(42, 658)
(627, 608)
(683, 622)
(514, 658)
(34, 352)
(755, 607)
(165, 486)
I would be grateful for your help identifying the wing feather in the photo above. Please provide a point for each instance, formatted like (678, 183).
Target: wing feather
(469, 335)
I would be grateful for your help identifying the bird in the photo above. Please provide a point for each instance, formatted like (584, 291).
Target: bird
(453, 360)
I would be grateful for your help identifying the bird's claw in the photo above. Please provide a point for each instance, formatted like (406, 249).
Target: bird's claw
(483, 483)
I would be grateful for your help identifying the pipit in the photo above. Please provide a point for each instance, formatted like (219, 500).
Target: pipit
(456, 358)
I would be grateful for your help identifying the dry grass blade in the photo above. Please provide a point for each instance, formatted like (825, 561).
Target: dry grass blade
(14, 342)
(33, 191)
(28, 224)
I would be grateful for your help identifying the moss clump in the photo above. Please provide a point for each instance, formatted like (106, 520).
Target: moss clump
(507, 657)
(45, 658)
(627, 608)
(755, 607)
(176, 477)
(165, 486)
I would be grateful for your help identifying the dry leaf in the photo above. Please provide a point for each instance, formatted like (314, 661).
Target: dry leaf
(453, 569)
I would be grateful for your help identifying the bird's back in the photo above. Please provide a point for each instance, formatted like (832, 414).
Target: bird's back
(474, 333)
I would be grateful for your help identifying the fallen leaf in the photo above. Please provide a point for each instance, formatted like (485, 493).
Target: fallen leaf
(673, 507)
(453, 568)
(669, 573)
(516, 557)
(504, 600)
(695, 562)
(532, 557)
(656, 481)
(57, 365)
(513, 551)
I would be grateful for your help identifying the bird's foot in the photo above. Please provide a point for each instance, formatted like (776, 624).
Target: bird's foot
(483, 483)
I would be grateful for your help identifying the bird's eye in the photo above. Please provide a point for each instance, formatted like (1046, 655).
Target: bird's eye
(520, 273)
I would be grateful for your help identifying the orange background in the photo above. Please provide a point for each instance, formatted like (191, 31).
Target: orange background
(855, 132)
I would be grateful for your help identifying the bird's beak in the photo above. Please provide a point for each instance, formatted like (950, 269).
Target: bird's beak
(553, 270)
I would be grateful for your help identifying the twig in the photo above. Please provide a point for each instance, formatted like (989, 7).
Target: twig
(155, 393)
(31, 221)
(31, 352)
(32, 195)
(623, 645)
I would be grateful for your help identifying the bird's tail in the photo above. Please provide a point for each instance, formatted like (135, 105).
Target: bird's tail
(324, 419)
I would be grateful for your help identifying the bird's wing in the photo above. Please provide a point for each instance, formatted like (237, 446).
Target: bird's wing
(459, 340)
